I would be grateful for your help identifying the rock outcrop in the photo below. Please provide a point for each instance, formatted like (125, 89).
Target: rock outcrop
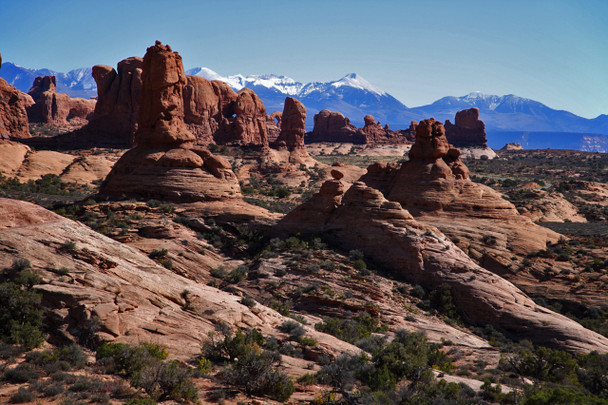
(118, 97)
(208, 106)
(389, 235)
(55, 108)
(467, 130)
(512, 146)
(13, 114)
(333, 127)
(164, 163)
(293, 121)
(127, 296)
(434, 187)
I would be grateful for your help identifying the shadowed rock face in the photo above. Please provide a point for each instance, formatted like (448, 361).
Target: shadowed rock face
(118, 95)
(13, 114)
(54, 108)
(363, 219)
(468, 129)
(165, 164)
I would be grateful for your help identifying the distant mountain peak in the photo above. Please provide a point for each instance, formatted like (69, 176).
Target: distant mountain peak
(358, 82)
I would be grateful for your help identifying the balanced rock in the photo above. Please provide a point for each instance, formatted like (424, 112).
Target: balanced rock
(13, 114)
(361, 218)
(164, 163)
(467, 130)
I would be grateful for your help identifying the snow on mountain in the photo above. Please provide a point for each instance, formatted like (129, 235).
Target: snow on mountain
(355, 97)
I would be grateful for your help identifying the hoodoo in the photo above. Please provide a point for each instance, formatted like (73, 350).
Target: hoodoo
(165, 163)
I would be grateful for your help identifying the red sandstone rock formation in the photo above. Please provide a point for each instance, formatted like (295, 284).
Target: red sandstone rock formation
(54, 108)
(273, 126)
(164, 164)
(385, 232)
(434, 187)
(13, 114)
(208, 106)
(468, 129)
(333, 127)
(293, 121)
(118, 96)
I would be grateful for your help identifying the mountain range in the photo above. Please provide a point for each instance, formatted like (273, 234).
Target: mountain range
(508, 118)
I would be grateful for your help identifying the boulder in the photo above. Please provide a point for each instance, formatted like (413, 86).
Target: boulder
(164, 164)
(13, 114)
(468, 130)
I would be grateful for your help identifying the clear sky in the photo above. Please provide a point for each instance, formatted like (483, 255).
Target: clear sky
(552, 51)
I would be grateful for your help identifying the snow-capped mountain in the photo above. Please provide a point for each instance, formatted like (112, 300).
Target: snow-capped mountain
(76, 83)
(352, 95)
(508, 118)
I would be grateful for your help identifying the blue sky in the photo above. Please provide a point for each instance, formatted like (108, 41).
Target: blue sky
(555, 52)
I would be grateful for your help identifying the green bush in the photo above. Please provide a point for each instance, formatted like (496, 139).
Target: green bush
(20, 313)
(255, 373)
(350, 330)
(22, 396)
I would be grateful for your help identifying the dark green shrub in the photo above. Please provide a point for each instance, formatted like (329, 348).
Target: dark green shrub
(293, 329)
(256, 375)
(22, 396)
(350, 330)
(22, 373)
(53, 390)
(166, 380)
(418, 291)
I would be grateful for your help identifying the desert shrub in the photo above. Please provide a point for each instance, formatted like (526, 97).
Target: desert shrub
(543, 364)
(166, 380)
(53, 390)
(158, 253)
(143, 365)
(227, 345)
(141, 401)
(350, 330)
(235, 276)
(418, 291)
(248, 301)
(20, 313)
(293, 329)
(256, 374)
(441, 299)
(22, 373)
(22, 396)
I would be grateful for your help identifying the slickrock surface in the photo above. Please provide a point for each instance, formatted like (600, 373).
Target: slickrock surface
(165, 164)
(13, 115)
(130, 297)
(467, 130)
(55, 108)
(390, 236)
(18, 160)
(542, 206)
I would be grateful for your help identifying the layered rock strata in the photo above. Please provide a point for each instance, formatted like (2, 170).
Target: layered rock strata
(164, 163)
(389, 235)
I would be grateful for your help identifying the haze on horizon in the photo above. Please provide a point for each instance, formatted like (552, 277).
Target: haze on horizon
(551, 51)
